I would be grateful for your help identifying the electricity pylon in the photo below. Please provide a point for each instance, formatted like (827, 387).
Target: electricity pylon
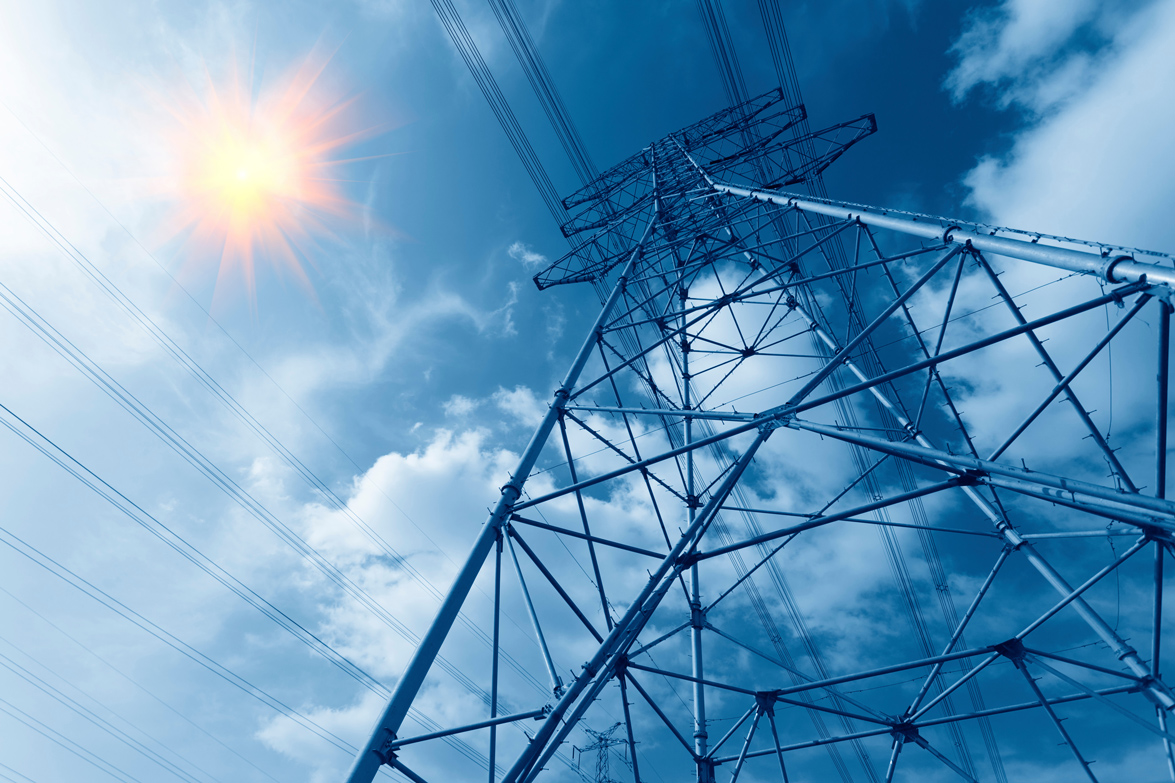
(602, 744)
(761, 411)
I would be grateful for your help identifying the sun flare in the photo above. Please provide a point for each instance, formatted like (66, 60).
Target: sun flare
(255, 180)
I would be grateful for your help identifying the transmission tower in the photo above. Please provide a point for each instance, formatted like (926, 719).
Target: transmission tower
(767, 384)
(602, 746)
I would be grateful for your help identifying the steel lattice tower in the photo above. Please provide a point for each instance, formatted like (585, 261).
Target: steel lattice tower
(748, 339)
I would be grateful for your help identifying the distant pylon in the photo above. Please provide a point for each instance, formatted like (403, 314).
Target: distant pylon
(602, 747)
(760, 412)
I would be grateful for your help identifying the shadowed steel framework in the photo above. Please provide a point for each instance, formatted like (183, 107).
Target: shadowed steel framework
(754, 347)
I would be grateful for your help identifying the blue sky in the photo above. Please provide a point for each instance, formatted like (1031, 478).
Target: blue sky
(410, 379)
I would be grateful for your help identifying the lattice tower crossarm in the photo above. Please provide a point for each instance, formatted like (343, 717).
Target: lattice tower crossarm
(744, 331)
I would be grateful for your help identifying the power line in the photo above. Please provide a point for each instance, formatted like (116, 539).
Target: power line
(51, 450)
(136, 683)
(722, 47)
(105, 725)
(128, 401)
(172, 349)
(221, 480)
(464, 42)
(14, 772)
(544, 88)
(57, 569)
(88, 756)
(153, 329)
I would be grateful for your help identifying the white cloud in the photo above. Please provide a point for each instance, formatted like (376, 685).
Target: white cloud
(1016, 42)
(459, 405)
(523, 254)
(1102, 166)
(1099, 164)
(326, 762)
(521, 404)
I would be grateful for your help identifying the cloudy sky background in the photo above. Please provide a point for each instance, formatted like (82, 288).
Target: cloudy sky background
(411, 377)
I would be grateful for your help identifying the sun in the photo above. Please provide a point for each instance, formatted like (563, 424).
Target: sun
(249, 172)
(257, 177)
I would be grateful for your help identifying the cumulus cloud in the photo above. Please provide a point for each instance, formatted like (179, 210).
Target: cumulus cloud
(459, 405)
(521, 404)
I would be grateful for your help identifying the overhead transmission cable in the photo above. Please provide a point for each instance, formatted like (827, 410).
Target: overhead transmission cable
(137, 684)
(785, 71)
(207, 381)
(525, 151)
(210, 470)
(461, 38)
(54, 452)
(105, 725)
(86, 755)
(87, 588)
(721, 45)
(9, 771)
(38, 557)
(63, 346)
(544, 88)
(242, 497)
(227, 399)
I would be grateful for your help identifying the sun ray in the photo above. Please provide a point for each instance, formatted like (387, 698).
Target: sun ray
(257, 179)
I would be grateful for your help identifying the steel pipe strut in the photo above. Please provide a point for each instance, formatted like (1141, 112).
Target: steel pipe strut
(371, 757)
(1118, 269)
(1044, 702)
(485, 724)
(556, 681)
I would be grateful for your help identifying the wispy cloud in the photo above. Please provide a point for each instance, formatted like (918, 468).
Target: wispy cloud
(1020, 47)
(523, 254)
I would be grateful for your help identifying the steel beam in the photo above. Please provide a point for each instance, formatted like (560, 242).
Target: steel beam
(1116, 269)
(485, 724)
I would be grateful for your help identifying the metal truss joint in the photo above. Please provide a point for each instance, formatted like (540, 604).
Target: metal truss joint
(1013, 650)
(1155, 691)
(697, 616)
(1107, 270)
(706, 770)
(387, 749)
(765, 702)
(906, 732)
(774, 419)
(971, 478)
